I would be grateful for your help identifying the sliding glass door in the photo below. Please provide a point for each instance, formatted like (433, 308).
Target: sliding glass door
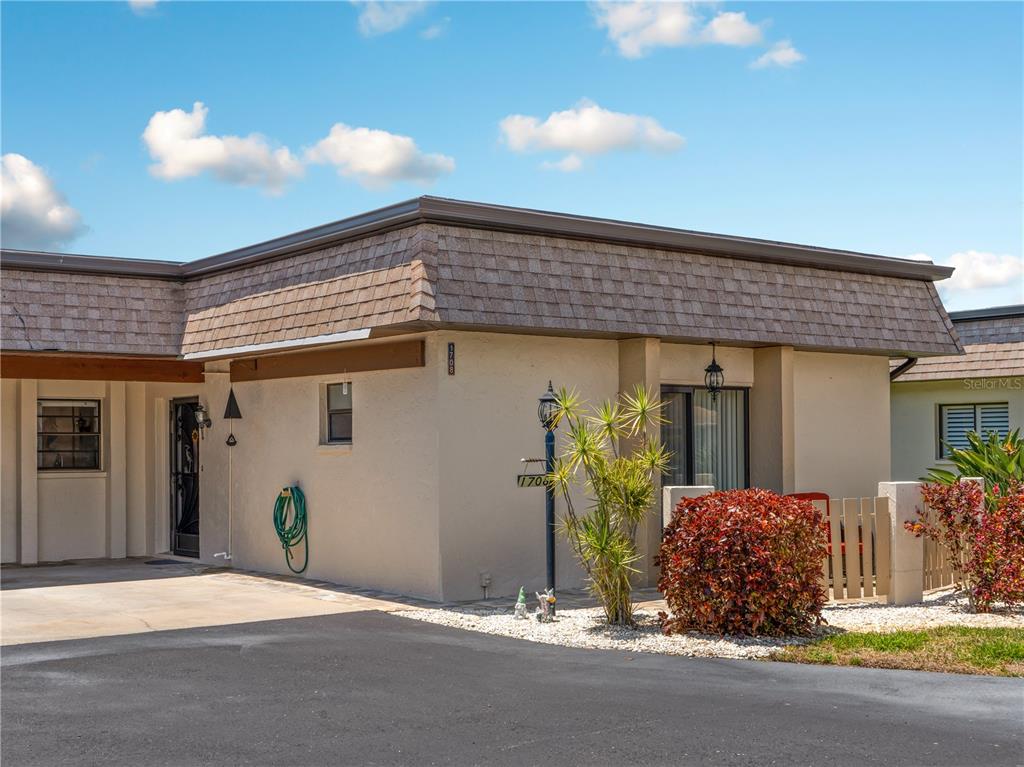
(707, 438)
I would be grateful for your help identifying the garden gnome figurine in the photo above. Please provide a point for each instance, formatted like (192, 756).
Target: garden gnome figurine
(546, 610)
(520, 611)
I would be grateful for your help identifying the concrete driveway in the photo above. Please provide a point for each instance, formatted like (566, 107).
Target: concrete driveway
(112, 597)
(362, 688)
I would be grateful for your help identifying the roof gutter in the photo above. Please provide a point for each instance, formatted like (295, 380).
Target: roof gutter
(279, 346)
(903, 368)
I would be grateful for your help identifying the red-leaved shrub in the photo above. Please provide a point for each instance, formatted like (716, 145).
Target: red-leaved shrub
(985, 541)
(743, 562)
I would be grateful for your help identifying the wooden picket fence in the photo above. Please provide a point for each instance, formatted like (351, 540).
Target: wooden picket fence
(939, 565)
(857, 566)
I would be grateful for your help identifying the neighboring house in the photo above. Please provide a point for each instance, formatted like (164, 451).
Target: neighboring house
(937, 401)
(390, 365)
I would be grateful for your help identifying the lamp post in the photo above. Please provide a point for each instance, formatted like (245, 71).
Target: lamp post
(546, 412)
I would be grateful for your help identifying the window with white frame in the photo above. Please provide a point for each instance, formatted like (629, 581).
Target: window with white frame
(338, 415)
(68, 435)
(957, 421)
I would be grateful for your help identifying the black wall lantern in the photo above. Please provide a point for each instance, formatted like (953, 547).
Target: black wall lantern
(232, 412)
(714, 376)
(547, 407)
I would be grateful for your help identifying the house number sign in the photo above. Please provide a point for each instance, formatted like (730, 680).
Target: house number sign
(531, 480)
(451, 359)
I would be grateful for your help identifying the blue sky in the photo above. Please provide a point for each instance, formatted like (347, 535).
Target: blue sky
(889, 128)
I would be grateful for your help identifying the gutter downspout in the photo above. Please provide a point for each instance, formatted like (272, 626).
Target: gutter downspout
(903, 368)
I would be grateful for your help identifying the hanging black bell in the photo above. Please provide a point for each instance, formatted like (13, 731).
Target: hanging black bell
(232, 411)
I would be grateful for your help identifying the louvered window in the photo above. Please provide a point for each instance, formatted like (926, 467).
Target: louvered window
(957, 421)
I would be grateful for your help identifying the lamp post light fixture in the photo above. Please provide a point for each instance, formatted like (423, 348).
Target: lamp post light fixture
(547, 410)
(714, 376)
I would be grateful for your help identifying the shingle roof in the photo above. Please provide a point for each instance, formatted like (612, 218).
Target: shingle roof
(431, 273)
(993, 348)
(367, 283)
(93, 313)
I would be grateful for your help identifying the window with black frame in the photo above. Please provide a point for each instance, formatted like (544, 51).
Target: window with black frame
(339, 413)
(68, 435)
(708, 437)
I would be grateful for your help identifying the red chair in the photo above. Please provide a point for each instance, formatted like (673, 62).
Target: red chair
(828, 511)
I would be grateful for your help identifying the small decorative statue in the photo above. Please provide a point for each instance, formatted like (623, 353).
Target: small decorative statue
(546, 610)
(520, 610)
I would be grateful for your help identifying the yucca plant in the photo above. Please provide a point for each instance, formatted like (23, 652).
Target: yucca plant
(999, 461)
(608, 451)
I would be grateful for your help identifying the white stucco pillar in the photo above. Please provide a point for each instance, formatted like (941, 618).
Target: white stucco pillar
(906, 558)
(117, 471)
(158, 517)
(135, 469)
(672, 494)
(28, 497)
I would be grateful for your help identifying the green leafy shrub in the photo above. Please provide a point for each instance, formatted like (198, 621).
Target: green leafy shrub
(609, 455)
(743, 562)
(1000, 462)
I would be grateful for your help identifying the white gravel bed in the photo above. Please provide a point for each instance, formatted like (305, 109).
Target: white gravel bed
(585, 628)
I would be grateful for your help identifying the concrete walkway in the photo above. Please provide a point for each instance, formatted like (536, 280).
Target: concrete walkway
(100, 598)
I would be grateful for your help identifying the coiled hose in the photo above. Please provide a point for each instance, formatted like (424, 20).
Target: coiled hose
(291, 532)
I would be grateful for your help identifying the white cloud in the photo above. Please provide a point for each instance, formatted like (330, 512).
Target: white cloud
(437, 30)
(730, 28)
(175, 140)
(782, 54)
(568, 164)
(586, 129)
(639, 26)
(636, 27)
(378, 18)
(142, 6)
(376, 158)
(33, 212)
(978, 270)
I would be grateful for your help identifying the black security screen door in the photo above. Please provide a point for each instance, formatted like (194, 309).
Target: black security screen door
(184, 479)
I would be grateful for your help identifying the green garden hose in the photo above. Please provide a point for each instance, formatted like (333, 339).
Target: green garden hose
(291, 532)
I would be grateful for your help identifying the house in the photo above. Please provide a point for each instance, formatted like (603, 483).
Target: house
(937, 401)
(390, 364)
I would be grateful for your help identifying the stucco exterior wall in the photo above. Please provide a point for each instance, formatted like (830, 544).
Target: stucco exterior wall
(840, 423)
(424, 501)
(373, 506)
(915, 417)
(684, 364)
(487, 418)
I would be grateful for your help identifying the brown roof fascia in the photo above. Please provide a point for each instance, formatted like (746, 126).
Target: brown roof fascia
(492, 217)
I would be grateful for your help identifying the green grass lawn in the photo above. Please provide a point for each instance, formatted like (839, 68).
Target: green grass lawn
(996, 651)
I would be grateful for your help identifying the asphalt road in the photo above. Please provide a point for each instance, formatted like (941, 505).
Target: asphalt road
(373, 688)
